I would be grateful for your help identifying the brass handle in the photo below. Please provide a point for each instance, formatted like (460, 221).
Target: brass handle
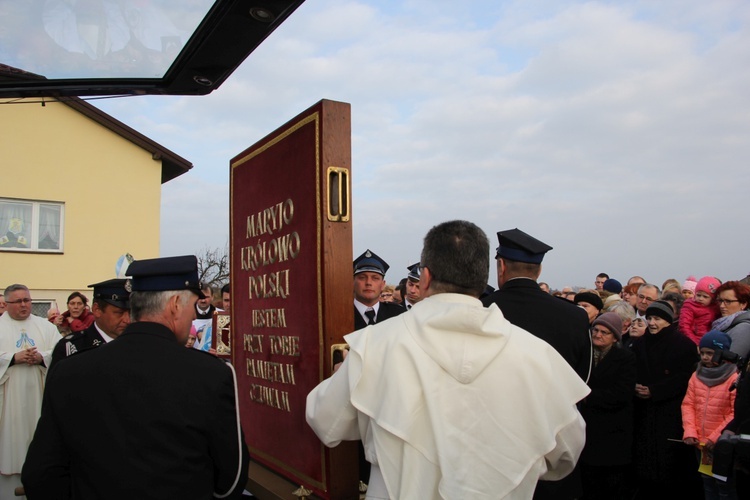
(337, 354)
(338, 194)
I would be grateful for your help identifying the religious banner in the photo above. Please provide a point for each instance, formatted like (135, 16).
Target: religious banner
(291, 286)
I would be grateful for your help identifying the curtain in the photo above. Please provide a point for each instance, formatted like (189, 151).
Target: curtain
(15, 225)
(49, 227)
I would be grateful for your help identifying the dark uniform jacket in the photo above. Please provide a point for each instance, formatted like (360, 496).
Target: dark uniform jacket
(558, 322)
(386, 310)
(142, 417)
(82, 341)
(562, 325)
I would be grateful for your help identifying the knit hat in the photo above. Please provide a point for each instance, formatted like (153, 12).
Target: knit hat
(689, 284)
(717, 340)
(612, 322)
(661, 309)
(612, 285)
(707, 284)
(589, 297)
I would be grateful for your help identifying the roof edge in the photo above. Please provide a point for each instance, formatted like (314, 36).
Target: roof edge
(173, 165)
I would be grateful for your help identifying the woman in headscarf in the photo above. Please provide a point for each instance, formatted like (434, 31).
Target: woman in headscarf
(608, 412)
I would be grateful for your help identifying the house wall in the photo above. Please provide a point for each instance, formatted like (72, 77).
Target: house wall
(111, 189)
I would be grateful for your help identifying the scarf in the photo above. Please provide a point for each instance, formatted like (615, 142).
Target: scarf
(723, 323)
(599, 354)
(715, 375)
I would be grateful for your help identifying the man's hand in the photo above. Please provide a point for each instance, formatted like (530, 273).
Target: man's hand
(29, 356)
(642, 391)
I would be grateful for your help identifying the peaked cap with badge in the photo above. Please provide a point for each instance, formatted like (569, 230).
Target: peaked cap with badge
(521, 247)
(414, 272)
(112, 292)
(165, 273)
(370, 262)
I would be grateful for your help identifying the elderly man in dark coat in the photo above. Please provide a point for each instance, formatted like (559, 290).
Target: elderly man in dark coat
(142, 417)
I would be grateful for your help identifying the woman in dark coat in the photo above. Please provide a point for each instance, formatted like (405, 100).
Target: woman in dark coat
(608, 412)
(665, 360)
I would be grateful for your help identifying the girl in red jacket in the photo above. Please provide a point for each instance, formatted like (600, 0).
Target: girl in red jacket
(709, 406)
(698, 313)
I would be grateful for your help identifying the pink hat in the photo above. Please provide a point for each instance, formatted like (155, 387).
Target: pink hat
(708, 284)
(690, 283)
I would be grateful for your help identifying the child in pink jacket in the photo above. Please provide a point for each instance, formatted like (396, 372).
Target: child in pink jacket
(698, 313)
(709, 405)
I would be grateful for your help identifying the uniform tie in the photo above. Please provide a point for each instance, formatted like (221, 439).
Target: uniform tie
(370, 313)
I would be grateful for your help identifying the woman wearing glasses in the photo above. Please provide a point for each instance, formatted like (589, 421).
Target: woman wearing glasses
(733, 298)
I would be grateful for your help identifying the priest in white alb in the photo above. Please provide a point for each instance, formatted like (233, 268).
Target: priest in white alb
(26, 344)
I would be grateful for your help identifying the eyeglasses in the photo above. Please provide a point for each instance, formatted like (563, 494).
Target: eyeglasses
(643, 297)
(386, 295)
(726, 301)
(601, 331)
(19, 301)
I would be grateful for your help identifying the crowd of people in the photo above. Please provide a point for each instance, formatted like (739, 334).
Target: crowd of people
(613, 392)
(662, 364)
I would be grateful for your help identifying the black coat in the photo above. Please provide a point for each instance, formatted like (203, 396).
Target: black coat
(608, 410)
(664, 363)
(77, 342)
(386, 310)
(565, 327)
(142, 417)
(559, 322)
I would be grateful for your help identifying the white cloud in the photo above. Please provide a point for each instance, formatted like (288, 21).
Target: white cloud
(615, 131)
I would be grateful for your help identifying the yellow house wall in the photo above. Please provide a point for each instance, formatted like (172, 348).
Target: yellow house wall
(111, 189)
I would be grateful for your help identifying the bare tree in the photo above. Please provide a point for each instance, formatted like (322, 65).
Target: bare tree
(213, 266)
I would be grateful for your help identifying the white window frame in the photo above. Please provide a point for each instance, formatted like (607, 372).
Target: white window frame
(35, 223)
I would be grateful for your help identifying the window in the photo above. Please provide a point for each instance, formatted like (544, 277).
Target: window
(31, 225)
(40, 308)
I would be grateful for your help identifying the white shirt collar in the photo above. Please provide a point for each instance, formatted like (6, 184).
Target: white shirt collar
(106, 337)
(362, 308)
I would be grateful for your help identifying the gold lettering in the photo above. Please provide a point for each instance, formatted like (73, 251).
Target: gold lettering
(284, 345)
(253, 343)
(273, 372)
(269, 318)
(270, 220)
(270, 285)
(270, 397)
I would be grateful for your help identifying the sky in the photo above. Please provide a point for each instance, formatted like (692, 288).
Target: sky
(616, 132)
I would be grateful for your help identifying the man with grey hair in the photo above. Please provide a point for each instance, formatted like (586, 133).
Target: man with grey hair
(647, 293)
(155, 420)
(425, 393)
(26, 344)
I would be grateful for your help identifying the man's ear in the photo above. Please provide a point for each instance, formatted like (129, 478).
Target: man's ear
(96, 310)
(174, 304)
(425, 279)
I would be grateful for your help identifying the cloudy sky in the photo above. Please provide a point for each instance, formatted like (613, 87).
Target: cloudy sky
(617, 132)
